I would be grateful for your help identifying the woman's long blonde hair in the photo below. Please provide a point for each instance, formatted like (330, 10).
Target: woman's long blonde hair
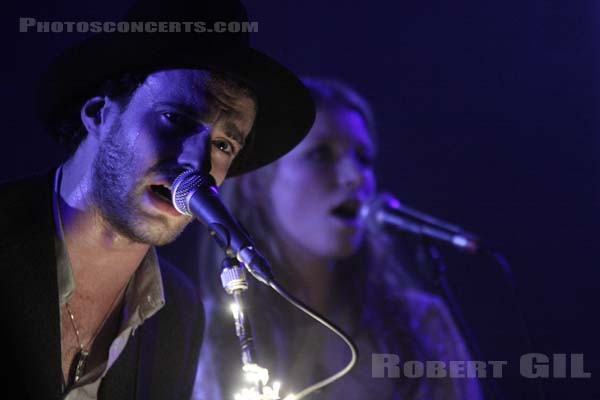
(378, 279)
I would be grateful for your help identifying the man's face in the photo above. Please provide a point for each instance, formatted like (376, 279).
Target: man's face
(176, 119)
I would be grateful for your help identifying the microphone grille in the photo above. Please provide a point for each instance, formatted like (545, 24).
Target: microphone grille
(184, 187)
(370, 210)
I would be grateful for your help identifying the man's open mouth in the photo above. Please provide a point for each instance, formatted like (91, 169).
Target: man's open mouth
(162, 192)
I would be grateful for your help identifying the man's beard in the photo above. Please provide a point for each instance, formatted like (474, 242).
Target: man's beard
(117, 194)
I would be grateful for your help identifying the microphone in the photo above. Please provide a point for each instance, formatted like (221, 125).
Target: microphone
(195, 194)
(384, 210)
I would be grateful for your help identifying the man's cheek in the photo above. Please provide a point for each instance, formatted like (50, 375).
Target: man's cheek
(219, 173)
(147, 148)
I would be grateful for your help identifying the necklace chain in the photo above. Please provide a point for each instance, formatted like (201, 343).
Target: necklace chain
(76, 329)
(82, 355)
(72, 318)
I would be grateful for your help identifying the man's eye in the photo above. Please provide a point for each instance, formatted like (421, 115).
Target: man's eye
(174, 117)
(224, 146)
(180, 121)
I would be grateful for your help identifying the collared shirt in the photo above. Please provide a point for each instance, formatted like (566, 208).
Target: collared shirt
(144, 296)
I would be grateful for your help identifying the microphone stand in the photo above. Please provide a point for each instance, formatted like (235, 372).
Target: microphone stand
(439, 267)
(233, 280)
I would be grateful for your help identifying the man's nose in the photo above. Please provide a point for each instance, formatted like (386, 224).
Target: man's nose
(195, 152)
(350, 172)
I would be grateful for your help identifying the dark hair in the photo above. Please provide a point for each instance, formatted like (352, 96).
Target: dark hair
(71, 131)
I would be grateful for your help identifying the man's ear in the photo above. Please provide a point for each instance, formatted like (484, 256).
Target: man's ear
(92, 115)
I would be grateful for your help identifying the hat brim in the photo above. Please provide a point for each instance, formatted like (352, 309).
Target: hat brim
(285, 108)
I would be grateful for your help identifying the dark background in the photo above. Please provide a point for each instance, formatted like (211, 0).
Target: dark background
(488, 117)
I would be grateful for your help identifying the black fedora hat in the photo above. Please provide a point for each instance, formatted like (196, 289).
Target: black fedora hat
(285, 108)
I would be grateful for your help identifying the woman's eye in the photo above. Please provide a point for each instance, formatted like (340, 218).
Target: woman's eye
(320, 154)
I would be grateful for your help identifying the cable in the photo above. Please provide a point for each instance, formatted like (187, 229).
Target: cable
(313, 314)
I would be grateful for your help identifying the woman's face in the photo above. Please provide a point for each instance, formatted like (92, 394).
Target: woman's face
(319, 186)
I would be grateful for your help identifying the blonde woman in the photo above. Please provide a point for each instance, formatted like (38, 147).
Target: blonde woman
(303, 212)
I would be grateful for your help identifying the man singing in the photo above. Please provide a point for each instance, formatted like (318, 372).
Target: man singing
(90, 312)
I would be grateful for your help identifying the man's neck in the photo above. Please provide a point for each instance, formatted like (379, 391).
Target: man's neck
(102, 259)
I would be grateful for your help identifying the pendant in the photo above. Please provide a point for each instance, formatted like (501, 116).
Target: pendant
(81, 360)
